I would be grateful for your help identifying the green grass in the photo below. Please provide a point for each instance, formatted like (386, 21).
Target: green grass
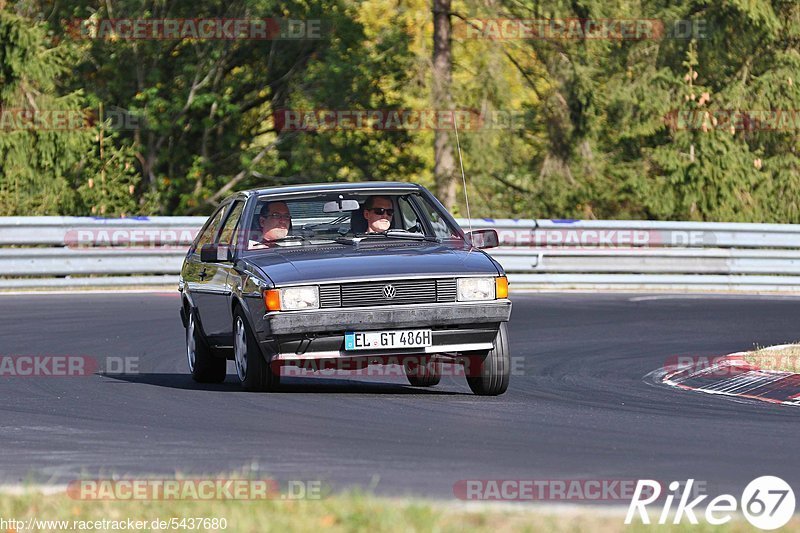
(786, 359)
(346, 512)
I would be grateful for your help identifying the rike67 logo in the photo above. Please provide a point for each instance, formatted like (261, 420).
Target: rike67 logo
(767, 503)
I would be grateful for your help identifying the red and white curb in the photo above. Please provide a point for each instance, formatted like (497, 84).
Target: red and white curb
(732, 375)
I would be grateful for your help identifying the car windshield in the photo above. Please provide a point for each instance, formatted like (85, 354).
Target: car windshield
(347, 219)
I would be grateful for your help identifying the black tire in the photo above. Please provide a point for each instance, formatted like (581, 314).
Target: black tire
(488, 373)
(253, 369)
(205, 368)
(423, 373)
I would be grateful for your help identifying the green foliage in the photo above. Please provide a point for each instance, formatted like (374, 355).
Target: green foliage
(609, 145)
(36, 153)
(52, 154)
(110, 189)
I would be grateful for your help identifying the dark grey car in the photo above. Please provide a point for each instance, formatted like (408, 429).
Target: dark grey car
(332, 292)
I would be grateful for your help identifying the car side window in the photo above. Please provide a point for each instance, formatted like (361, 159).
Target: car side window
(408, 216)
(228, 235)
(439, 225)
(210, 231)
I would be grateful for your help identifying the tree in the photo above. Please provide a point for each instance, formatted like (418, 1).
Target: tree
(444, 164)
(43, 133)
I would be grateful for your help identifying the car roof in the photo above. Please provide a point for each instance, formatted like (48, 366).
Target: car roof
(336, 187)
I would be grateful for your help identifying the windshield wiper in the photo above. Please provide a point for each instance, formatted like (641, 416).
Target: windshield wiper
(289, 238)
(399, 234)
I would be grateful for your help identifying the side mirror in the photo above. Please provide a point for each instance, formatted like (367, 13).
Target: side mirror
(484, 238)
(215, 253)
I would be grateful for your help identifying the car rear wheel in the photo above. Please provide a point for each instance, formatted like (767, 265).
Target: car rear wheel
(252, 368)
(423, 373)
(205, 368)
(488, 373)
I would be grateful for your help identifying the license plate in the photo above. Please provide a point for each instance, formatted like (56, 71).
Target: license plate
(379, 340)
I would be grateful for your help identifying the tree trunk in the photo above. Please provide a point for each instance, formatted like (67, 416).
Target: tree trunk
(444, 170)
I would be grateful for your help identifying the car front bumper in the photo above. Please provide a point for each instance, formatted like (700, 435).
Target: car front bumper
(319, 334)
(389, 317)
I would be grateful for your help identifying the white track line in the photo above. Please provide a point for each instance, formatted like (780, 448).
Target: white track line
(90, 291)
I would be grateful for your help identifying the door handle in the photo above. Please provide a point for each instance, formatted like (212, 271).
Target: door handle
(203, 274)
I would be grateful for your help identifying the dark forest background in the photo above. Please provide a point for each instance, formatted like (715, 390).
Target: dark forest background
(607, 128)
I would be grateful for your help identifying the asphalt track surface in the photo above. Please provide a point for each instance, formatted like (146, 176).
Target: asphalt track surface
(583, 408)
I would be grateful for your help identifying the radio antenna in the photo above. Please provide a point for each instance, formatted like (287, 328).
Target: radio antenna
(461, 162)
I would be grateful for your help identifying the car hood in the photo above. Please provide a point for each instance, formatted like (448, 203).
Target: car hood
(291, 265)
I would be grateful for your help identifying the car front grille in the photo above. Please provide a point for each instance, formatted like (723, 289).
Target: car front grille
(391, 292)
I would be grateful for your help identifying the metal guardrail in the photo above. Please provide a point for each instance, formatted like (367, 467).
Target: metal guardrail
(544, 254)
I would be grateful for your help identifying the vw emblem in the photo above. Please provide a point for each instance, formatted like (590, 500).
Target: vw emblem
(389, 292)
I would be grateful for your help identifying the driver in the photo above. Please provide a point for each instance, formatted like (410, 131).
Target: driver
(378, 212)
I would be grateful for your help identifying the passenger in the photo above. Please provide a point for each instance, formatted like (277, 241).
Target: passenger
(275, 222)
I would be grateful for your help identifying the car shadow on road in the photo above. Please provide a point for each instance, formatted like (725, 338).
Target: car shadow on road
(307, 385)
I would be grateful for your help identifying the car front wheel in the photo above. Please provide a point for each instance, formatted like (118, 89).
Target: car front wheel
(488, 373)
(252, 368)
(205, 368)
(423, 373)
